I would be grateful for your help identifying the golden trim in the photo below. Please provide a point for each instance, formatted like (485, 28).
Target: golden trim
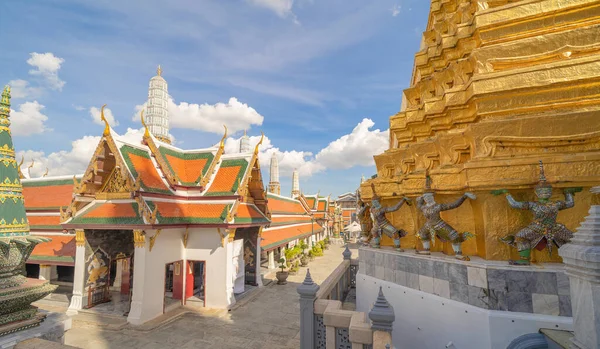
(139, 238)
(185, 237)
(153, 239)
(222, 143)
(80, 237)
(106, 125)
(490, 143)
(222, 237)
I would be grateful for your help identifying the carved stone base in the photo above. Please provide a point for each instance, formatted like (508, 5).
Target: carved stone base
(30, 322)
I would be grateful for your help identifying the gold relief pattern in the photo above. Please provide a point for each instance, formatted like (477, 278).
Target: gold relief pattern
(153, 239)
(139, 238)
(80, 237)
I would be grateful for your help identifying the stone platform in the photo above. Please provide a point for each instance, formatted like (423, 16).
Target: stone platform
(495, 285)
(51, 329)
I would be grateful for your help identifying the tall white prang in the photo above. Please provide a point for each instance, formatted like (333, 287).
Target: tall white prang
(245, 143)
(295, 183)
(157, 113)
(274, 185)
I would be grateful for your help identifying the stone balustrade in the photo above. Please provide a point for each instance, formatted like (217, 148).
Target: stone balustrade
(325, 325)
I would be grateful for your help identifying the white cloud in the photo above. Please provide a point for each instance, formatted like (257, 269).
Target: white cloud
(395, 10)
(28, 120)
(47, 65)
(95, 113)
(237, 116)
(354, 149)
(282, 8)
(78, 107)
(68, 162)
(22, 89)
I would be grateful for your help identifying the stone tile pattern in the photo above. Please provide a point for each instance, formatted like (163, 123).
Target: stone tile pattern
(484, 286)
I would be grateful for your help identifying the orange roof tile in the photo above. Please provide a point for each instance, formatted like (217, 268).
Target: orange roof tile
(189, 171)
(111, 210)
(284, 206)
(147, 172)
(322, 205)
(224, 179)
(272, 238)
(44, 222)
(180, 209)
(311, 202)
(247, 213)
(47, 196)
(61, 251)
(278, 220)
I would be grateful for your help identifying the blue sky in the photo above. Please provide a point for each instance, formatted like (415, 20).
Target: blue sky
(305, 72)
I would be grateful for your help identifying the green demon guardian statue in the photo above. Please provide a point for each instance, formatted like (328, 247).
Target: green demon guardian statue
(544, 231)
(381, 225)
(435, 226)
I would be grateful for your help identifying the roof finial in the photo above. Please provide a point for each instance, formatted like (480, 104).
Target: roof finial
(29, 168)
(45, 173)
(222, 144)
(106, 125)
(244, 132)
(262, 137)
(146, 132)
(159, 70)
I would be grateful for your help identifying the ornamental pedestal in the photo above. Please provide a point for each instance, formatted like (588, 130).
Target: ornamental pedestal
(582, 260)
(16, 291)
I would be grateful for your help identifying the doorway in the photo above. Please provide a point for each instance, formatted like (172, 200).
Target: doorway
(195, 284)
(173, 295)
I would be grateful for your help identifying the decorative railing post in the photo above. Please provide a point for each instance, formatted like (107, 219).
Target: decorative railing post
(582, 260)
(347, 253)
(308, 293)
(382, 319)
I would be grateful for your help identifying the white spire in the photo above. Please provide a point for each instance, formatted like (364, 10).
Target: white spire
(157, 114)
(274, 186)
(245, 143)
(295, 183)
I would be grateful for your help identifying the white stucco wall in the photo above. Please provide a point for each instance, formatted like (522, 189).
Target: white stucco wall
(205, 245)
(149, 274)
(427, 321)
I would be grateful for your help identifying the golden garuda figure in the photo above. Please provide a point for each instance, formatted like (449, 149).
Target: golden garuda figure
(364, 218)
(435, 226)
(381, 225)
(544, 231)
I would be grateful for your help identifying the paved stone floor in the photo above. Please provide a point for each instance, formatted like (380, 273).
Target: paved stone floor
(267, 319)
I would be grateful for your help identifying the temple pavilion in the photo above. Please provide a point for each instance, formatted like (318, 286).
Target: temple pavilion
(158, 226)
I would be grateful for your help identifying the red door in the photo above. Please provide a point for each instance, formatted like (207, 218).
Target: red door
(125, 275)
(178, 273)
(189, 282)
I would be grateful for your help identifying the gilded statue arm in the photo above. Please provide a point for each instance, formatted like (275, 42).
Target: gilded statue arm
(396, 207)
(569, 199)
(453, 205)
(522, 205)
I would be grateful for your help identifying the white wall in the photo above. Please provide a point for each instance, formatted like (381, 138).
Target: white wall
(427, 321)
(205, 245)
(149, 274)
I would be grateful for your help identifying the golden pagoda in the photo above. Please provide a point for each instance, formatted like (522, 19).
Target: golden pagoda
(497, 86)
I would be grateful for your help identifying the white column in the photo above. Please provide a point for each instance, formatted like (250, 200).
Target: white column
(271, 255)
(118, 275)
(53, 272)
(258, 272)
(79, 295)
(45, 272)
(136, 312)
(229, 271)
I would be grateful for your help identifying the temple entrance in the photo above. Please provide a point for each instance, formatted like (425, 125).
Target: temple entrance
(32, 270)
(174, 274)
(108, 271)
(195, 283)
(251, 253)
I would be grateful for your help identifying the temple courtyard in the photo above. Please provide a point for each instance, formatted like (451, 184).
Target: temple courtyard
(264, 318)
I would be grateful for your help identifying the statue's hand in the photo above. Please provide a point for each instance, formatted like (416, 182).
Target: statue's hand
(572, 190)
(470, 196)
(499, 192)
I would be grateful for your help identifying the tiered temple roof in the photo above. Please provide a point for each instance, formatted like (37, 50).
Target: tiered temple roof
(156, 185)
(43, 199)
(290, 220)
